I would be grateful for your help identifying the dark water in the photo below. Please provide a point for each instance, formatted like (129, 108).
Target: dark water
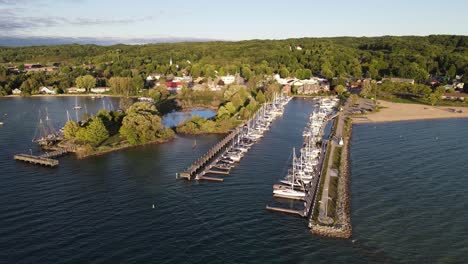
(408, 199)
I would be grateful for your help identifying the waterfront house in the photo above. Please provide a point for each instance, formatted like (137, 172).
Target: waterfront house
(100, 90)
(16, 91)
(76, 90)
(46, 90)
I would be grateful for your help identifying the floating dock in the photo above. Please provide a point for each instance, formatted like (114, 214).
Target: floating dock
(284, 210)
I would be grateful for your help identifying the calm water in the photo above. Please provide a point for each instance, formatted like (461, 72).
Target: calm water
(409, 202)
(175, 118)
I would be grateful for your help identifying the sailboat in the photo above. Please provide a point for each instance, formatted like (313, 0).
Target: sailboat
(194, 145)
(290, 192)
(76, 104)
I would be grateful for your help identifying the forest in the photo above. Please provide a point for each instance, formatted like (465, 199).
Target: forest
(126, 66)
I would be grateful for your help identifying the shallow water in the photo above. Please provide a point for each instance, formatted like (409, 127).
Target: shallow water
(408, 198)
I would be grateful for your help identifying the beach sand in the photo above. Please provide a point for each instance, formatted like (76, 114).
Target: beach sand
(391, 112)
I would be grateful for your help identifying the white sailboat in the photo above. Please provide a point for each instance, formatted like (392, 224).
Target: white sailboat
(77, 106)
(290, 192)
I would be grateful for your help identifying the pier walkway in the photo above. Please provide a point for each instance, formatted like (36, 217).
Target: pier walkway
(209, 156)
(330, 172)
(45, 159)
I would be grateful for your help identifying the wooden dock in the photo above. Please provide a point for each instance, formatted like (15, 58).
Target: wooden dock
(208, 157)
(36, 160)
(45, 159)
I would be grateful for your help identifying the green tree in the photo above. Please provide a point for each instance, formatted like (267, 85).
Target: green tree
(340, 89)
(137, 84)
(284, 72)
(141, 124)
(70, 129)
(452, 71)
(433, 98)
(222, 113)
(86, 82)
(94, 134)
(260, 97)
(353, 99)
(231, 108)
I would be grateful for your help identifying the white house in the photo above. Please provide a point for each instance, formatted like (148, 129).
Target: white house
(153, 77)
(16, 91)
(46, 90)
(186, 79)
(76, 90)
(228, 79)
(100, 89)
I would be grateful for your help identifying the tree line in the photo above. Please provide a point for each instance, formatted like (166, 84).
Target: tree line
(343, 57)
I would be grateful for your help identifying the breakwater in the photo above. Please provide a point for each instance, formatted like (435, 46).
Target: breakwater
(340, 226)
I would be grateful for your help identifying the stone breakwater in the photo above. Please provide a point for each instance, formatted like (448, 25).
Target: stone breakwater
(342, 227)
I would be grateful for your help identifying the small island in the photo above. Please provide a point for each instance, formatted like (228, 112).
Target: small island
(111, 130)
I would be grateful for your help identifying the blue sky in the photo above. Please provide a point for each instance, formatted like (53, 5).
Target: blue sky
(231, 20)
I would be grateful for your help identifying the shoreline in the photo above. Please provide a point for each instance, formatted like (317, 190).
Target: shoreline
(395, 112)
(122, 147)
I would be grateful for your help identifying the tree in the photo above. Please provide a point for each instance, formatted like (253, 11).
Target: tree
(70, 129)
(121, 85)
(353, 99)
(141, 124)
(340, 89)
(284, 72)
(94, 134)
(137, 84)
(86, 82)
(452, 71)
(368, 89)
(222, 113)
(433, 98)
(260, 97)
(230, 108)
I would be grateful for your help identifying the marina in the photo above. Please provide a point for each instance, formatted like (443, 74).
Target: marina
(222, 157)
(206, 213)
(301, 181)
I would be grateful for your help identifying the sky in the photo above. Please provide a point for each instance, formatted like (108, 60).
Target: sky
(230, 19)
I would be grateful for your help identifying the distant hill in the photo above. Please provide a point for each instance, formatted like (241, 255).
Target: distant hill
(49, 41)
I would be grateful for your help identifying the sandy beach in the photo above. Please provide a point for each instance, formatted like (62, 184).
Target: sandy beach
(391, 112)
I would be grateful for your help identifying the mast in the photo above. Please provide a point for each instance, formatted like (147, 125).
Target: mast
(294, 169)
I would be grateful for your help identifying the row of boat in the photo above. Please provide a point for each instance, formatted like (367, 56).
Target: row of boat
(248, 134)
(305, 167)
